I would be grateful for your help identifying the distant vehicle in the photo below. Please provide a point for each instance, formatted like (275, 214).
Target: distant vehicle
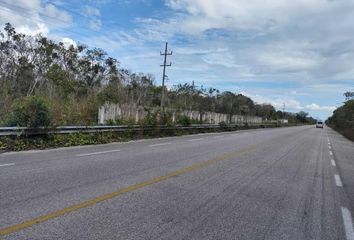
(319, 124)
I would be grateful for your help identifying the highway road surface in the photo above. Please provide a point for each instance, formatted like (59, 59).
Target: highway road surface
(285, 183)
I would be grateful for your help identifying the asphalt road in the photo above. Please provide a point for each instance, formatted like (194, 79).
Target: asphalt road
(285, 183)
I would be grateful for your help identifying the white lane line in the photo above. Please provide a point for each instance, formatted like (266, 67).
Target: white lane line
(331, 153)
(195, 139)
(333, 163)
(96, 153)
(160, 144)
(348, 224)
(329, 147)
(7, 164)
(338, 181)
(219, 136)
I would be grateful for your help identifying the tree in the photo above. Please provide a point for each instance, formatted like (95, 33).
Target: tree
(301, 116)
(76, 80)
(266, 111)
(349, 95)
(30, 112)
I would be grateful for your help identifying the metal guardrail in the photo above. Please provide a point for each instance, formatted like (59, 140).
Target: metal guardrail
(18, 131)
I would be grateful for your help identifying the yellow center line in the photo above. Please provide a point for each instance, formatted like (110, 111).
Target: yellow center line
(94, 201)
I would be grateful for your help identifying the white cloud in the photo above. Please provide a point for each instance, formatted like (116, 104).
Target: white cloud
(39, 28)
(317, 107)
(93, 14)
(223, 58)
(256, 14)
(280, 33)
(56, 15)
(95, 24)
(91, 11)
(68, 42)
(286, 62)
(30, 17)
(291, 104)
(24, 15)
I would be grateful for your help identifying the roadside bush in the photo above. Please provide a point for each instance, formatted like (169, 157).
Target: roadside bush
(2, 145)
(223, 125)
(184, 120)
(343, 119)
(30, 111)
(152, 118)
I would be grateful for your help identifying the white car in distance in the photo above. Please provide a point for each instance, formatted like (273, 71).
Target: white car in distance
(319, 124)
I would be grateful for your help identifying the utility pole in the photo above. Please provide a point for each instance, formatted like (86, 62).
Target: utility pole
(164, 76)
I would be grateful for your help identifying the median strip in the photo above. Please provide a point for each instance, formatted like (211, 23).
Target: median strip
(92, 202)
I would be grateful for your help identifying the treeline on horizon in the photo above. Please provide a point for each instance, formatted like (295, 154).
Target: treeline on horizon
(45, 83)
(342, 119)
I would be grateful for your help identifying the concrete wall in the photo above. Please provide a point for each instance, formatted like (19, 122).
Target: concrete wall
(137, 114)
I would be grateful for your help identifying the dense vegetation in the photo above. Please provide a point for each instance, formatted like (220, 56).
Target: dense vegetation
(342, 119)
(44, 83)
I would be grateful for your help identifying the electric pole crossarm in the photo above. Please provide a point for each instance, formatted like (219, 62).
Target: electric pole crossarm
(167, 65)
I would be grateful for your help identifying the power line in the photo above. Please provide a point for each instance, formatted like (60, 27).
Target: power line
(164, 76)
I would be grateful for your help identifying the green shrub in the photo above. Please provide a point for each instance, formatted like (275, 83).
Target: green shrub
(184, 120)
(30, 111)
(152, 118)
(223, 124)
(2, 145)
(343, 119)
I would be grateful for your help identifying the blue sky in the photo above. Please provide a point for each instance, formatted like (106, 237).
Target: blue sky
(300, 53)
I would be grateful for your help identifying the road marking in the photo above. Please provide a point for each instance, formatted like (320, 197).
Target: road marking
(333, 163)
(338, 181)
(97, 153)
(160, 144)
(331, 153)
(92, 202)
(7, 164)
(219, 136)
(195, 139)
(348, 224)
